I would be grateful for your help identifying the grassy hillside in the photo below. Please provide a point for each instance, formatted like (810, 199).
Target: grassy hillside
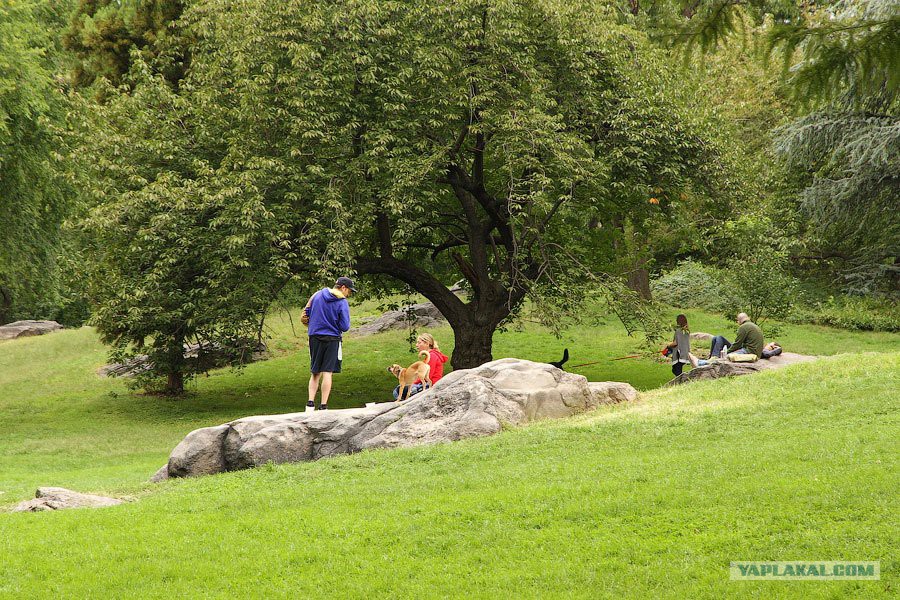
(69, 427)
(650, 499)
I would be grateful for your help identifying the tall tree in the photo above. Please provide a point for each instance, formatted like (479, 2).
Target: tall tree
(474, 140)
(414, 142)
(33, 200)
(844, 65)
(841, 154)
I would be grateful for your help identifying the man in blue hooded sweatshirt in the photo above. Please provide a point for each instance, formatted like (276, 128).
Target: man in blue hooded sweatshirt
(329, 318)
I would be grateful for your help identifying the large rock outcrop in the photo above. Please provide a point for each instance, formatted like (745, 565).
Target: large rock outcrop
(420, 316)
(18, 329)
(725, 368)
(57, 498)
(465, 403)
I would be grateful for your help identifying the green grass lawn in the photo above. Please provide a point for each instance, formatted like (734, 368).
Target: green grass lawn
(649, 499)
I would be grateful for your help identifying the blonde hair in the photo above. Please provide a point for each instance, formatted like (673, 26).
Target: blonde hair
(428, 339)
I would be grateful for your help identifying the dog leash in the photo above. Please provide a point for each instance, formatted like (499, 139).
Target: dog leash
(629, 356)
(596, 362)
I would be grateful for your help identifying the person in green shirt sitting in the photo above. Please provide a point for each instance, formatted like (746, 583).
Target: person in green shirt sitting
(749, 339)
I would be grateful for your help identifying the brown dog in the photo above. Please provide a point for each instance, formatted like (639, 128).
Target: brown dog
(418, 370)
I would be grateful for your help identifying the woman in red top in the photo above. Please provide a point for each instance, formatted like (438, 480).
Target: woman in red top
(436, 360)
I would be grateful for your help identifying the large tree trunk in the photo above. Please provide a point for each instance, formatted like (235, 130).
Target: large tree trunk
(175, 383)
(473, 323)
(639, 281)
(174, 366)
(472, 345)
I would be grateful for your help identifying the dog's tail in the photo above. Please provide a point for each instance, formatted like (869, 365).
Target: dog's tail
(565, 358)
(424, 355)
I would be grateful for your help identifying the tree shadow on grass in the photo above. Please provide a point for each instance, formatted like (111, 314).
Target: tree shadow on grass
(224, 396)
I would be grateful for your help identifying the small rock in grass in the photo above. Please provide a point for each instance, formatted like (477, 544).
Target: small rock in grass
(421, 316)
(57, 498)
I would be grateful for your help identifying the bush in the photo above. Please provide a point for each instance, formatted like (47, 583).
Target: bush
(864, 314)
(760, 286)
(690, 285)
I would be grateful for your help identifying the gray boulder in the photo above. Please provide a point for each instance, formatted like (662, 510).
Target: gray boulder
(418, 315)
(613, 392)
(463, 404)
(725, 368)
(57, 498)
(18, 329)
(199, 357)
(200, 453)
(129, 368)
(161, 475)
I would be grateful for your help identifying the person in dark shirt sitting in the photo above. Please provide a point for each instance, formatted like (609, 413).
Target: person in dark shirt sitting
(749, 339)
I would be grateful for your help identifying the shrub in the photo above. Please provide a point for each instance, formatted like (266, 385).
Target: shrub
(690, 285)
(864, 314)
(759, 286)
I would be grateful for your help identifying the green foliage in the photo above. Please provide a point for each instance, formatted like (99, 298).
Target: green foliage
(757, 284)
(848, 52)
(840, 62)
(760, 286)
(102, 34)
(710, 25)
(753, 275)
(33, 200)
(179, 250)
(859, 313)
(419, 141)
(851, 191)
(756, 280)
(848, 148)
(691, 285)
(694, 285)
(749, 101)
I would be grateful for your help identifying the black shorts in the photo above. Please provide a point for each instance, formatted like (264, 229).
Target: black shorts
(324, 354)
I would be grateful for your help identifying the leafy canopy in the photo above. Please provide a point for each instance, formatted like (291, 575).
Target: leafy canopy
(424, 142)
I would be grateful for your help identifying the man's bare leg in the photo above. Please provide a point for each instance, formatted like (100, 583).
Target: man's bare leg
(326, 387)
(313, 386)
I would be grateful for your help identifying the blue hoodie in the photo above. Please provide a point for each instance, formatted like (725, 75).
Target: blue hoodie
(328, 314)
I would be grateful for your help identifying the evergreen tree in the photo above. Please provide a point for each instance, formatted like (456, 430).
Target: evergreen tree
(848, 147)
(841, 64)
(103, 33)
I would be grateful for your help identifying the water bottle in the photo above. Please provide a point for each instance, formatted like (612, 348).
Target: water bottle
(723, 353)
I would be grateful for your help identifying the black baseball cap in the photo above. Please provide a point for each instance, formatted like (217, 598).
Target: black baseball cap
(345, 281)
